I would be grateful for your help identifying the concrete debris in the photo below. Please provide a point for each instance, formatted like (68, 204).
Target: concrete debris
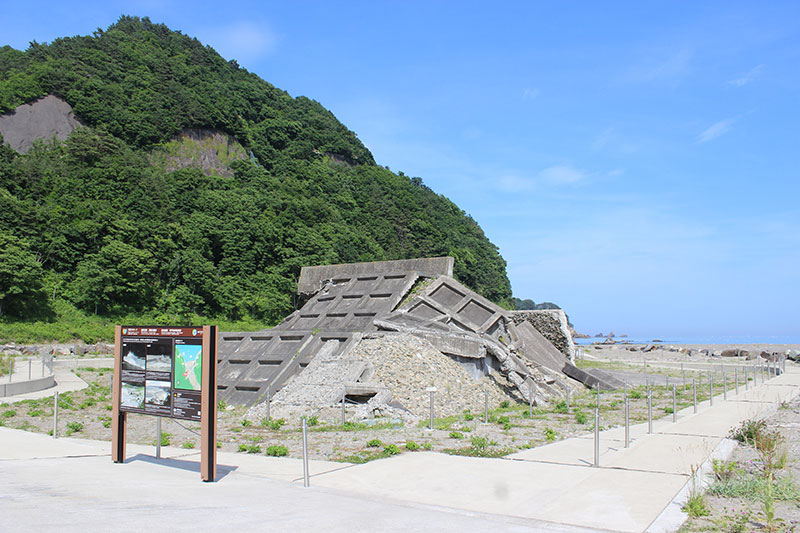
(379, 334)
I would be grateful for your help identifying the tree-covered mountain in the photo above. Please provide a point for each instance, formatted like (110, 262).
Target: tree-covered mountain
(96, 221)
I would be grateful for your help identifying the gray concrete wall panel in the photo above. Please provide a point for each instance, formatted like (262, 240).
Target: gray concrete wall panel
(313, 278)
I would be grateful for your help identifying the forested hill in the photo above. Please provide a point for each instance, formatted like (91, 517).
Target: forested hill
(98, 222)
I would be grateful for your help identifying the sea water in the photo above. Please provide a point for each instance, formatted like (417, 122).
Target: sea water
(699, 339)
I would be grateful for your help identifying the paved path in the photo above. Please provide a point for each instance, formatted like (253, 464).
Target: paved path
(72, 485)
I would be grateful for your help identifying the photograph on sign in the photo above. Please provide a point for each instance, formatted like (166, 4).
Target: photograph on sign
(132, 396)
(134, 358)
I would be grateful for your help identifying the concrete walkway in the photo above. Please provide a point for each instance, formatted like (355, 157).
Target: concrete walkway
(71, 484)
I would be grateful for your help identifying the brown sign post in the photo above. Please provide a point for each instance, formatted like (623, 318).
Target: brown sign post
(171, 372)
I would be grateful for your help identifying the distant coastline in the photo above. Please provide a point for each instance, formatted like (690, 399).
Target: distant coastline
(697, 339)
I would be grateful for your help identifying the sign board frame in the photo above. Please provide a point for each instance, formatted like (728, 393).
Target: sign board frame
(158, 391)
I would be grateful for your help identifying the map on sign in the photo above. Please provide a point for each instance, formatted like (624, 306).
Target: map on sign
(188, 366)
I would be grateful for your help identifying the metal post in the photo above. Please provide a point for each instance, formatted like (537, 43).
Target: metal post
(344, 393)
(597, 389)
(305, 454)
(55, 416)
(674, 404)
(10, 369)
(711, 389)
(432, 393)
(736, 379)
(568, 399)
(29, 369)
(597, 437)
(485, 406)
(530, 400)
(269, 401)
(694, 392)
(158, 437)
(627, 424)
(649, 411)
(683, 373)
(666, 380)
(724, 385)
(42, 365)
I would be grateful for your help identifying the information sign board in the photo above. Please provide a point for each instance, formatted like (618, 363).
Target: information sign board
(170, 372)
(162, 371)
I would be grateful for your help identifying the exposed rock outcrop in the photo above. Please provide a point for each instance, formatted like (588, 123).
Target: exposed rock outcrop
(43, 119)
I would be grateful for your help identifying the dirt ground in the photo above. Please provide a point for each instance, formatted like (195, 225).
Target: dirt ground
(510, 426)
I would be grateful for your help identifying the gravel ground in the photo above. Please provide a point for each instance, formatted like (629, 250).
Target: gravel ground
(747, 514)
(509, 429)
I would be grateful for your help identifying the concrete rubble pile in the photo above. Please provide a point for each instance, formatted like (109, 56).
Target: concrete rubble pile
(378, 334)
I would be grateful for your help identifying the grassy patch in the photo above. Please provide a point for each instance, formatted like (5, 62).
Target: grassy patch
(277, 451)
(751, 487)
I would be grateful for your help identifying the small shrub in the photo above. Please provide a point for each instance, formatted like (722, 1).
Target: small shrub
(549, 434)
(505, 404)
(221, 405)
(188, 445)
(252, 448)
(277, 451)
(636, 395)
(503, 420)
(273, 424)
(9, 413)
(468, 416)
(412, 446)
(74, 427)
(35, 412)
(313, 421)
(668, 410)
(479, 443)
(245, 423)
(236, 430)
(165, 438)
(696, 506)
(427, 446)
(242, 447)
(456, 435)
(561, 407)
(391, 449)
(748, 430)
(374, 443)
(724, 470)
(581, 417)
(734, 521)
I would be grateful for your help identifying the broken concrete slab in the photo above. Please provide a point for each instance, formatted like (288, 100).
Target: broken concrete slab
(351, 303)
(252, 365)
(313, 278)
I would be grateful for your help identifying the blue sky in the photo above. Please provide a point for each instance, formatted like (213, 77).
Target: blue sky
(635, 162)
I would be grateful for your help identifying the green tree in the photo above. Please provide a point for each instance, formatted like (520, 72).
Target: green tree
(118, 275)
(20, 276)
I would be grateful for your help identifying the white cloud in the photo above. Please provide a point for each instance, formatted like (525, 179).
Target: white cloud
(715, 130)
(751, 75)
(670, 69)
(561, 175)
(530, 93)
(515, 184)
(245, 41)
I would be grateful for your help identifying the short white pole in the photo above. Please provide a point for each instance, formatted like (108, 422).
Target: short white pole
(305, 454)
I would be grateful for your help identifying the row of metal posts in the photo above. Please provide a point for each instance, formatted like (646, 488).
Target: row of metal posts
(767, 370)
(306, 481)
(30, 368)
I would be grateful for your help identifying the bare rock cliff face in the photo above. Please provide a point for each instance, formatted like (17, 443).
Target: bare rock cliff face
(43, 119)
(211, 151)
